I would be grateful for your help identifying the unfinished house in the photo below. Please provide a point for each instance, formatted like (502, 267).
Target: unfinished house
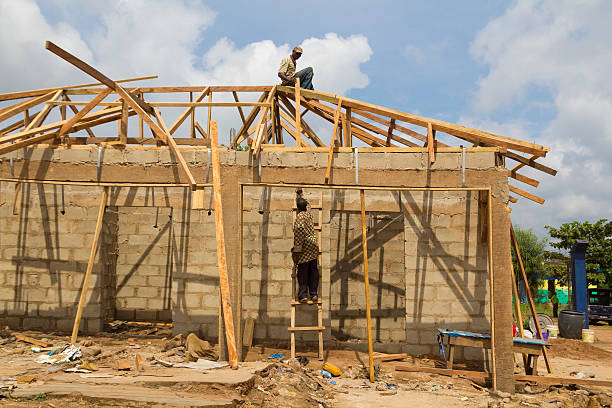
(158, 223)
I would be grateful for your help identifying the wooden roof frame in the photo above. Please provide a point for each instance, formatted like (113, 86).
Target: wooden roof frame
(278, 112)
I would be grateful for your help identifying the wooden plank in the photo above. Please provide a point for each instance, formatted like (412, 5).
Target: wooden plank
(200, 130)
(261, 124)
(442, 371)
(23, 106)
(221, 259)
(75, 111)
(521, 165)
(298, 114)
(90, 263)
(38, 92)
(247, 335)
(88, 69)
(430, 143)
(346, 121)
(562, 380)
(70, 122)
(192, 114)
(30, 340)
(530, 162)
(525, 194)
(142, 113)
(512, 199)
(333, 139)
(306, 328)
(398, 127)
(305, 127)
(366, 279)
(209, 112)
(491, 288)
(174, 149)
(187, 112)
(390, 132)
(277, 125)
(529, 297)
(524, 179)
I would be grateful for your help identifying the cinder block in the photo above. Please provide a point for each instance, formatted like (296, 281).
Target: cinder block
(147, 292)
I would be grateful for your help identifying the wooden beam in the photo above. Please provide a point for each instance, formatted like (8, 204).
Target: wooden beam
(174, 149)
(390, 132)
(491, 288)
(364, 246)
(88, 69)
(399, 128)
(75, 111)
(187, 111)
(298, 114)
(142, 113)
(23, 106)
(192, 114)
(333, 139)
(524, 179)
(305, 127)
(123, 123)
(430, 143)
(228, 318)
(70, 122)
(90, 263)
(42, 115)
(525, 194)
(346, 121)
(261, 124)
(530, 162)
(529, 297)
(241, 135)
(512, 199)
(521, 165)
(38, 92)
(200, 130)
(209, 112)
(235, 94)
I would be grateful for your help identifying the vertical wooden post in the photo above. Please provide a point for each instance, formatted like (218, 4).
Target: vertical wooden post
(140, 121)
(298, 114)
(531, 304)
(364, 244)
(333, 140)
(517, 312)
(491, 296)
(192, 116)
(90, 262)
(348, 137)
(123, 123)
(221, 259)
(431, 134)
(209, 112)
(63, 108)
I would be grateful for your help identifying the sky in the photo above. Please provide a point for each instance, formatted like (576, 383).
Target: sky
(536, 70)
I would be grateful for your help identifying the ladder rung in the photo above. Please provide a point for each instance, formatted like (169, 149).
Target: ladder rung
(307, 328)
(296, 303)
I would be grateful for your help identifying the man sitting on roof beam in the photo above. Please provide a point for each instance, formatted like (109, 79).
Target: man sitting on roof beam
(287, 73)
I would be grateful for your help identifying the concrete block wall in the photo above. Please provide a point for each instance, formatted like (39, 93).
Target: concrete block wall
(44, 255)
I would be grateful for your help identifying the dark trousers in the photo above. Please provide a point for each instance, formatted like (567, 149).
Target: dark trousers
(308, 279)
(305, 76)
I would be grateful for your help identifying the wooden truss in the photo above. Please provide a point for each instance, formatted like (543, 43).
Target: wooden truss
(279, 112)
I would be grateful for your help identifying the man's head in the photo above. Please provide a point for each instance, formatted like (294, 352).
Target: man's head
(297, 52)
(301, 204)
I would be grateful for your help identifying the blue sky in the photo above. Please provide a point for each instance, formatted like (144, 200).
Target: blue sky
(531, 69)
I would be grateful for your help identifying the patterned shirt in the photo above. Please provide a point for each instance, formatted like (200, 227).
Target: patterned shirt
(287, 67)
(304, 238)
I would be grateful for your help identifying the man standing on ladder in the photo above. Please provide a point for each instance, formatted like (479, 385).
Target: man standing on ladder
(305, 253)
(287, 73)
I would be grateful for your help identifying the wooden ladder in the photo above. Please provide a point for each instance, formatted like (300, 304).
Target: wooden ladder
(319, 304)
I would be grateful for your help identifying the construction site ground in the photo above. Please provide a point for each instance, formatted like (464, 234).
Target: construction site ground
(264, 382)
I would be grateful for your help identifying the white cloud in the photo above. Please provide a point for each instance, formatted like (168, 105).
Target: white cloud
(137, 37)
(561, 46)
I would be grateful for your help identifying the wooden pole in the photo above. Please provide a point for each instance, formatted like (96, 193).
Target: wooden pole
(209, 111)
(517, 311)
(531, 304)
(491, 296)
(90, 262)
(221, 259)
(364, 243)
(193, 135)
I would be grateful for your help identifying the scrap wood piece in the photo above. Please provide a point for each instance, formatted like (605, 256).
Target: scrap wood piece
(173, 147)
(30, 340)
(88, 69)
(382, 357)
(90, 262)
(333, 139)
(526, 194)
(221, 259)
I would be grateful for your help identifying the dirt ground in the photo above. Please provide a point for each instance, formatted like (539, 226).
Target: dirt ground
(270, 382)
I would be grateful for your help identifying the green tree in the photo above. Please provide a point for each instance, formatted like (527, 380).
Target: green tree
(599, 251)
(532, 251)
